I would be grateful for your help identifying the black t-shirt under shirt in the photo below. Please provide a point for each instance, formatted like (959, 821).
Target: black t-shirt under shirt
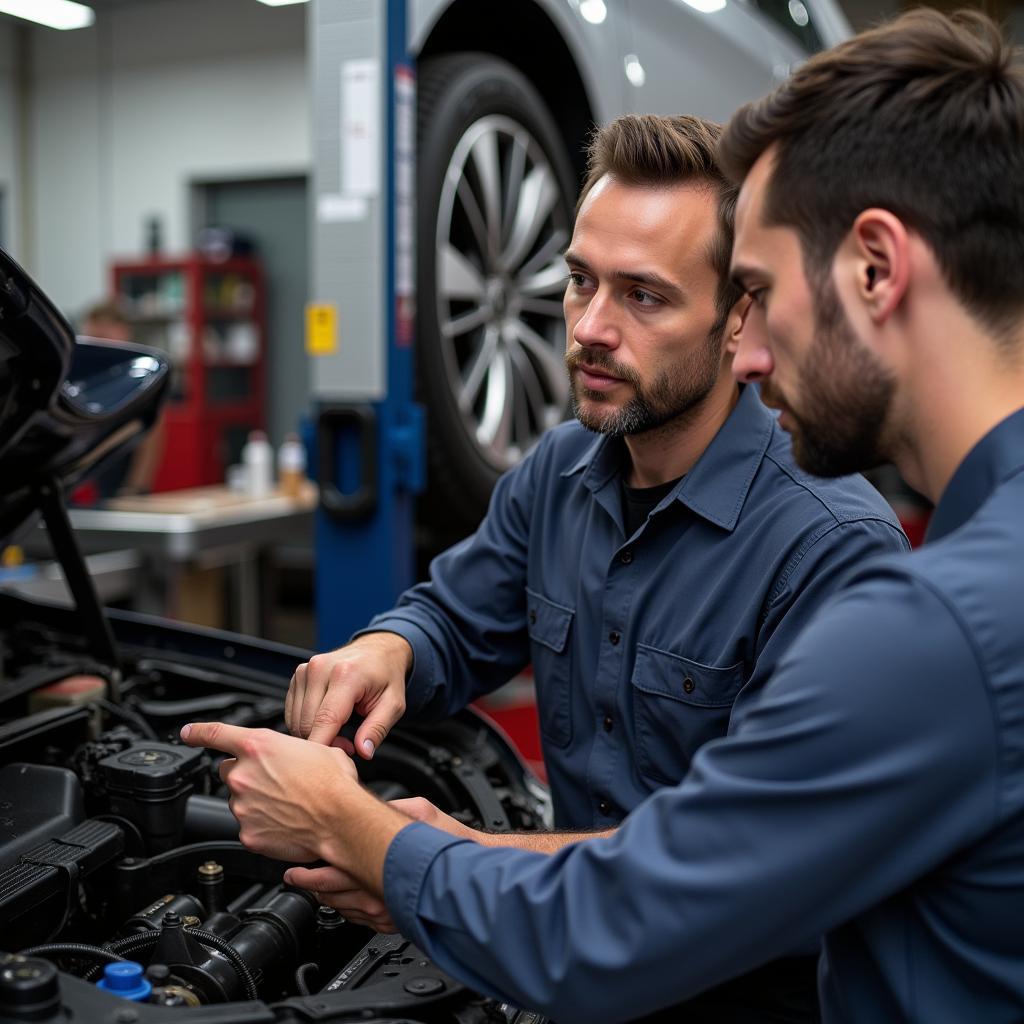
(639, 502)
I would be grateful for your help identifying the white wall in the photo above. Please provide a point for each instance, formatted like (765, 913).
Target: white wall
(10, 178)
(127, 114)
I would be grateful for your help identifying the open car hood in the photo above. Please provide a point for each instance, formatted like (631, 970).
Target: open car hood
(118, 849)
(66, 404)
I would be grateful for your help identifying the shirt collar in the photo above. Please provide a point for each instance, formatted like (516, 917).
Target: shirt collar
(998, 454)
(717, 486)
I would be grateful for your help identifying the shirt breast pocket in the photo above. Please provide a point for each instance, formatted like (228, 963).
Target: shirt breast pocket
(549, 625)
(678, 705)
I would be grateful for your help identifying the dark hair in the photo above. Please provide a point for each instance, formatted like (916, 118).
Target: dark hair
(647, 150)
(924, 117)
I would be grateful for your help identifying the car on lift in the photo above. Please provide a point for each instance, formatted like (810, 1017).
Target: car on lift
(503, 119)
(125, 894)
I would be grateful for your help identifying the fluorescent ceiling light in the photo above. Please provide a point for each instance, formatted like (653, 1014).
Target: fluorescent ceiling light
(52, 13)
(706, 6)
(635, 70)
(281, 3)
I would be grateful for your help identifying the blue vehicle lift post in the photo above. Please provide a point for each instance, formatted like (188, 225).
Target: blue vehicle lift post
(368, 444)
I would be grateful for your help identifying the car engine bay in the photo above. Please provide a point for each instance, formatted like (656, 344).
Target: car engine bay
(117, 844)
(125, 894)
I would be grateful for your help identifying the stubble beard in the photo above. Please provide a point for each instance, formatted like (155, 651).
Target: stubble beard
(671, 399)
(843, 425)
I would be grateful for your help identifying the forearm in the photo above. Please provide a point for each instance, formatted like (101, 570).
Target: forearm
(357, 834)
(539, 842)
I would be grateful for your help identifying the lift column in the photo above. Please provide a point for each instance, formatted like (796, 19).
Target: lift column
(368, 445)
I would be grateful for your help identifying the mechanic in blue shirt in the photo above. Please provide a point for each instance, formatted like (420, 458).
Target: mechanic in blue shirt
(652, 574)
(875, 791)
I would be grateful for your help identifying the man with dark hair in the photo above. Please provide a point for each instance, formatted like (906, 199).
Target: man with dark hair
(872, 789)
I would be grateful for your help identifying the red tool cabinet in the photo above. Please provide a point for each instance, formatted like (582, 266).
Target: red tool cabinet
(209, 317)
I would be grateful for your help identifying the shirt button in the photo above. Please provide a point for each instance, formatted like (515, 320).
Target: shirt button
(608, 723)
(533, 616)
(604, 807)
(614, 637)
(626, 557)
(689, 685)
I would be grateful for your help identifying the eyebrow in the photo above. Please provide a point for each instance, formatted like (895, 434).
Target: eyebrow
(633, 276)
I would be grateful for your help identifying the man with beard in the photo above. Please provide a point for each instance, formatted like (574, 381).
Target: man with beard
(875, 792)
(652, 575)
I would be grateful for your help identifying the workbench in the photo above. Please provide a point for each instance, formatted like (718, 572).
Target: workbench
(177, 532)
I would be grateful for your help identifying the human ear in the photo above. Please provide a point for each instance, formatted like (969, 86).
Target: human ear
(879, 261)
(734, 323)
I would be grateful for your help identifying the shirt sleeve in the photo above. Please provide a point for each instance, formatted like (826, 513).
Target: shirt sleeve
(815, 572)
(869, 759)
(467, 624)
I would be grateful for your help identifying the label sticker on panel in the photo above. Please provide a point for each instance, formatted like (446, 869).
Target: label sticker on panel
(321, 329)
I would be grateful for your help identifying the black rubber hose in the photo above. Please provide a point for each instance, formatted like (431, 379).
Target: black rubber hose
(209, 939)
(136, 943)
(128, 715)
(53, 949)
(129, 945)
(300, 979)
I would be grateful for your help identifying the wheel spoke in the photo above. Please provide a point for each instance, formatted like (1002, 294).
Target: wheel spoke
(485, 158)
(458, 278)
(537, 198)
(549, 281)
(474, 379)
(546, 307)
(549, 252)
(496, 420)
(533, 392)
(516, 168)
(547, 357)
(476, 220)
(466, 322)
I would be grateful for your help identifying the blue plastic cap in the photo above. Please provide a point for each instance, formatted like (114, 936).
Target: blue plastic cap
(125, 979)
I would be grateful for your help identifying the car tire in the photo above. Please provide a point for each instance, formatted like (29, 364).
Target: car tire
(495, 192)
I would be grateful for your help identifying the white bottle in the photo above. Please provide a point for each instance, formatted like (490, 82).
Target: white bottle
(258, 459)
(291, 466)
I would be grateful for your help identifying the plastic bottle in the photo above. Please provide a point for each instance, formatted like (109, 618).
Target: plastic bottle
(291, 466)
(258, 459)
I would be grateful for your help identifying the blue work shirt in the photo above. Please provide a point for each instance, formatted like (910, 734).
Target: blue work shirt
(875, 794)
(641, 646)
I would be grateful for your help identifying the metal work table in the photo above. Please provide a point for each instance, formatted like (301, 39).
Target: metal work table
(201, 527)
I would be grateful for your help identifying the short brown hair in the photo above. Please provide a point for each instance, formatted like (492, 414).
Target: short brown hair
(647, 150)
(923, 116)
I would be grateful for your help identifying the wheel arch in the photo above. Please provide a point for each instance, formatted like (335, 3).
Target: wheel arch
(551, 66)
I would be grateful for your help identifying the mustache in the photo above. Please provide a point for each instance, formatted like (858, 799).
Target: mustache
(770, 396)
(598, 359)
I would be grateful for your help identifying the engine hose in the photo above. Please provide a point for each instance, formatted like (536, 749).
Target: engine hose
(128, 715)
(136, 943)
(229, 951)
(300, 979)
(54, 949)
(129, 945)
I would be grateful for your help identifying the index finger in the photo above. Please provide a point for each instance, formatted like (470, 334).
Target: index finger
(216, 735)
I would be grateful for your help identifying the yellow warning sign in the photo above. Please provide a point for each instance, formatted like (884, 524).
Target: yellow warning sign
(321, 329)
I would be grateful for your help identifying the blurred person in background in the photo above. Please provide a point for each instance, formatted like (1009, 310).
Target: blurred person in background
(134, 471)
